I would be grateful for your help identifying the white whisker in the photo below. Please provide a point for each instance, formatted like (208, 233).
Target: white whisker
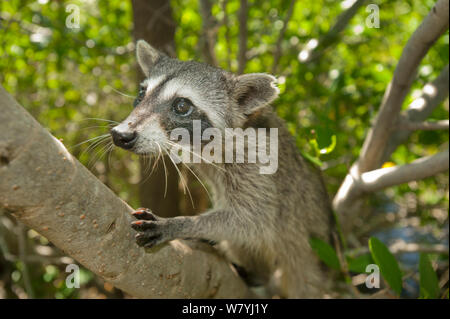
(121, 93)
(193, 153)
(165, 170)
(99, 119)
(89, 140)
(185, 185)
(193, 173)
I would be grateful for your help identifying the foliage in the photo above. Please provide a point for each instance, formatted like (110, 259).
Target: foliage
(326, 253)
(388, 265)
(429, 285)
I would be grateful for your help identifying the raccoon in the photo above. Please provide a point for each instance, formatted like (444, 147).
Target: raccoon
(261, 222)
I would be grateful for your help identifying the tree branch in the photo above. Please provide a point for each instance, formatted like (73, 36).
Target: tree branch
(390, 176)
(433, 26)
(433, 94)
(243, 34)
(332, 35)
(209, 32)
(349, 196)
(356, 185)
(427, 126)
(47, 189)
(226, 24)
(401, 247)
(277, 54)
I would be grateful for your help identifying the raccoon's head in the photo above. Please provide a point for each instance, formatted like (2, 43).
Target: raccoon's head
(175, 93)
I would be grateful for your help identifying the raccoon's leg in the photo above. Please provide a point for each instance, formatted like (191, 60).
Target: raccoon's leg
(211, 226)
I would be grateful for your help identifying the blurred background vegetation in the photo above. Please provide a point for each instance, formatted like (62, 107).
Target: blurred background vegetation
(66, 78)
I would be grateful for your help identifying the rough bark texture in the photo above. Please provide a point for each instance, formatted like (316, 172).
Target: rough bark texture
(43, 186)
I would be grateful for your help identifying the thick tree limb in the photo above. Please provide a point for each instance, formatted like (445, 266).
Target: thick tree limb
(433, 26)
(43, 186)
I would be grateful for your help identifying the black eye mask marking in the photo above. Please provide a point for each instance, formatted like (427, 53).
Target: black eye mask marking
(140, 96)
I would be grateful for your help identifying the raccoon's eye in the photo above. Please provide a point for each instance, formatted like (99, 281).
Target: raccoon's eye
(140, 96)
(182, 106)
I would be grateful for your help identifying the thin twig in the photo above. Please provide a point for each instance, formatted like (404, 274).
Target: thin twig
(425, 126)
(243, 33)
(22, 238)
(277, 54)
(209, 32)
(226, 24)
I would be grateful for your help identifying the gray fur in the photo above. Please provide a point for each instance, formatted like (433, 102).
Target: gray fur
(262, 222)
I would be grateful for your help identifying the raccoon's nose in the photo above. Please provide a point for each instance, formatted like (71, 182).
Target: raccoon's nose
(124, 139)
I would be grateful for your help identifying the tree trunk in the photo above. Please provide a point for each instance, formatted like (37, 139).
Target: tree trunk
(153, 23)
(43, 186)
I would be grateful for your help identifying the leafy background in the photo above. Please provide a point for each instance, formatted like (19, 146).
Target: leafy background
(66, 77)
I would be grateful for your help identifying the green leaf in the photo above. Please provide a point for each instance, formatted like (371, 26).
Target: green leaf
(429, 285)
(326, 253)
(312, 159)
(359, 263)
(329, 148)
(388, 265)
(315, 146)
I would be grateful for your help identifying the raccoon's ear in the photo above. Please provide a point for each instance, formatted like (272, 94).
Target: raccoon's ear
(254, 91)
(146, 56)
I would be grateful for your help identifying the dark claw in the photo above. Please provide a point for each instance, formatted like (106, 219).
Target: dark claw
(151, 228)
(146, 240)
(152, 242)
(144, 214)
(142, 225)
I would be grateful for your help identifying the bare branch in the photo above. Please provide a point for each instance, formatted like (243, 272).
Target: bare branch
(277, 54)
(413, 126)
(433, 94)
(349, 196)
(22, 236)
(356, 185)
(243, 34)
(433, 26)
(332, 35)
(47, 189)
(401, 247)
(209, 32)
(419, 169)
(226, 24)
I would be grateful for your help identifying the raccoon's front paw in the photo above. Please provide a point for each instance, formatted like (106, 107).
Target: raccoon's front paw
(152, 230)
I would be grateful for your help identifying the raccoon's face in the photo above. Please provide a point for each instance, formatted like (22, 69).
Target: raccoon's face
(176, 93)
